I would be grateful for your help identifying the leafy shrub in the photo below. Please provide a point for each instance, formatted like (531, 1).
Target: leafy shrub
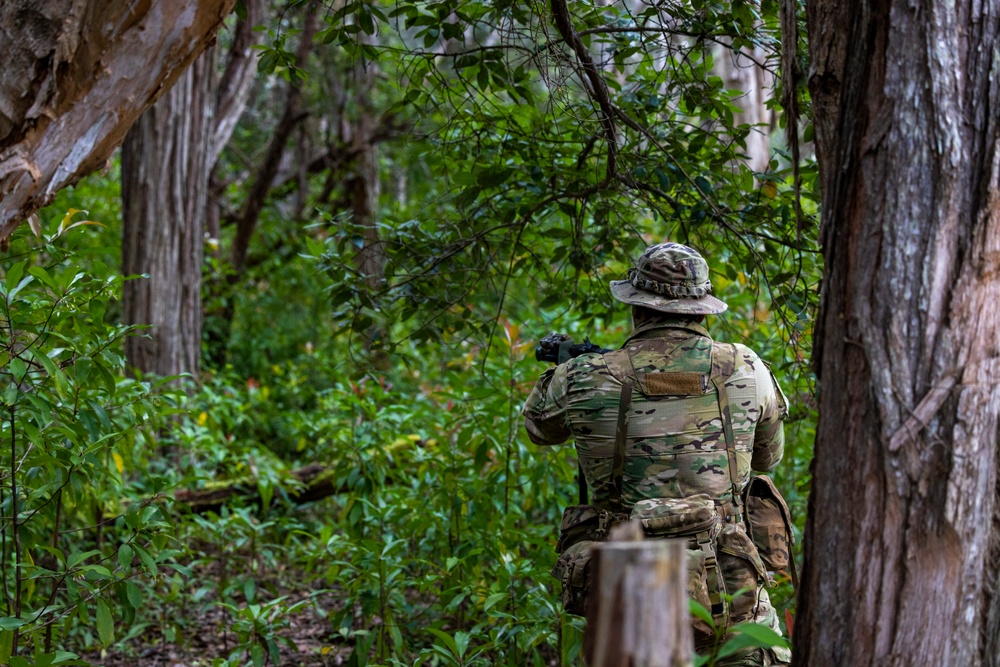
(73, 535)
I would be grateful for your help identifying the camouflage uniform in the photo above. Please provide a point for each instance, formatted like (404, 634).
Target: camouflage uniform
(675, 446)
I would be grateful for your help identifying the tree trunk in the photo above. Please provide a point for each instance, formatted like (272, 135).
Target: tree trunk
(168, 162)
(165, 168)
(364, 184)
(901, 541)
(292, 115)
(741, 71)
(76, 74)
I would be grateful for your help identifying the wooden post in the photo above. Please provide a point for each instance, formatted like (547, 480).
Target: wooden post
(638, 606)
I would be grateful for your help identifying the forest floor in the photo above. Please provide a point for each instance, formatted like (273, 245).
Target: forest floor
(210, 637)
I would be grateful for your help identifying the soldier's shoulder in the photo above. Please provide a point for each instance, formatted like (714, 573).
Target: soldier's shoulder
(745, 354)
(746, 362)
(591, 362)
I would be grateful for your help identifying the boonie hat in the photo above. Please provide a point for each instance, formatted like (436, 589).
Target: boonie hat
(671, 278)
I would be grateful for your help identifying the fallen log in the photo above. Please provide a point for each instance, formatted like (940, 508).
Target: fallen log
(312, 482)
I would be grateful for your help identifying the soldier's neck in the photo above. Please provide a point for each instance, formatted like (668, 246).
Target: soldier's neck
(650, 325)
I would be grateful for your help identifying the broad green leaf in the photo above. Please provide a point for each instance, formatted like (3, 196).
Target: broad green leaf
(698, 610)
(105, 623)
(134, 595)
(10, 623)
(14, 275)
(125, 555)
(493, 599)
(446, 639)
(257, 655)
(6, 645)
(761, 633)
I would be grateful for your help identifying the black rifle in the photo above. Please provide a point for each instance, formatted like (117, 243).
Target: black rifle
(557, 348)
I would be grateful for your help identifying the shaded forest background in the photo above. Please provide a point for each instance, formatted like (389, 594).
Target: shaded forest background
(356, 220)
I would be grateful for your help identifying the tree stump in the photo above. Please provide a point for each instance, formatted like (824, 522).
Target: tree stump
(638, 606)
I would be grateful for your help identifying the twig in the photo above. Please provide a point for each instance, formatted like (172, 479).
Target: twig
(16, 530)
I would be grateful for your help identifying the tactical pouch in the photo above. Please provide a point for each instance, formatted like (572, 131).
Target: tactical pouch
(677, 517)
(581, 527)
(584, 522)
(742, 571)
(769, 523)
(573, 572)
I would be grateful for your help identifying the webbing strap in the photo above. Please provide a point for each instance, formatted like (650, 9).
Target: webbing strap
(726, 363)
(621, 432)
(715, 581)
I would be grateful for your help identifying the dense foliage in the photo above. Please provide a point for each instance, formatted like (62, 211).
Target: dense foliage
(516, 179)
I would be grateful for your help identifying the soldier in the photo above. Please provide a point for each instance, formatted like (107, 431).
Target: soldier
(652, 435)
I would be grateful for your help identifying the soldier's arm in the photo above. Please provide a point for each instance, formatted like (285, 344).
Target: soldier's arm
(769, 434)
(545, 410)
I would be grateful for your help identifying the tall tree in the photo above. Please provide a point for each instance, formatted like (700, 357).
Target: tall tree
(76, 75)
(901, 545)
(167, 161)
(165, 173)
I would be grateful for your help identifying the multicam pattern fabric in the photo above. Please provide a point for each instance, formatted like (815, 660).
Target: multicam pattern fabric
(760, 657)
(769, 522)
(573, 571)
(676, 517)
(671, 278)
(676, 446)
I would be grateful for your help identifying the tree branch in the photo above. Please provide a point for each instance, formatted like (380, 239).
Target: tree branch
(237, 79)
(598, 90)
(290, 118)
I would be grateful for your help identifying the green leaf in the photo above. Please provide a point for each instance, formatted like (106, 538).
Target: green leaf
(98, 572)
(54, 372)
(125, 555)
(492, 600)
(765, 636)
(366, 22)
(105, 623)
(14, 275)
(43, 275)
(446, 639)
(10, 623)
(133, 594)
(20, 286)
(6, 645)
(698, 610)
(78, 557)
(746, 635)
(147, 560)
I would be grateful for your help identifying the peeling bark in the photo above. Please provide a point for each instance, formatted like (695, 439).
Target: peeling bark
(76, 75)
(900, 544)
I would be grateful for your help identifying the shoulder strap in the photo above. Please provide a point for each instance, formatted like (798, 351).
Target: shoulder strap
(621, 432)
(620, 366)
(723, 366)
